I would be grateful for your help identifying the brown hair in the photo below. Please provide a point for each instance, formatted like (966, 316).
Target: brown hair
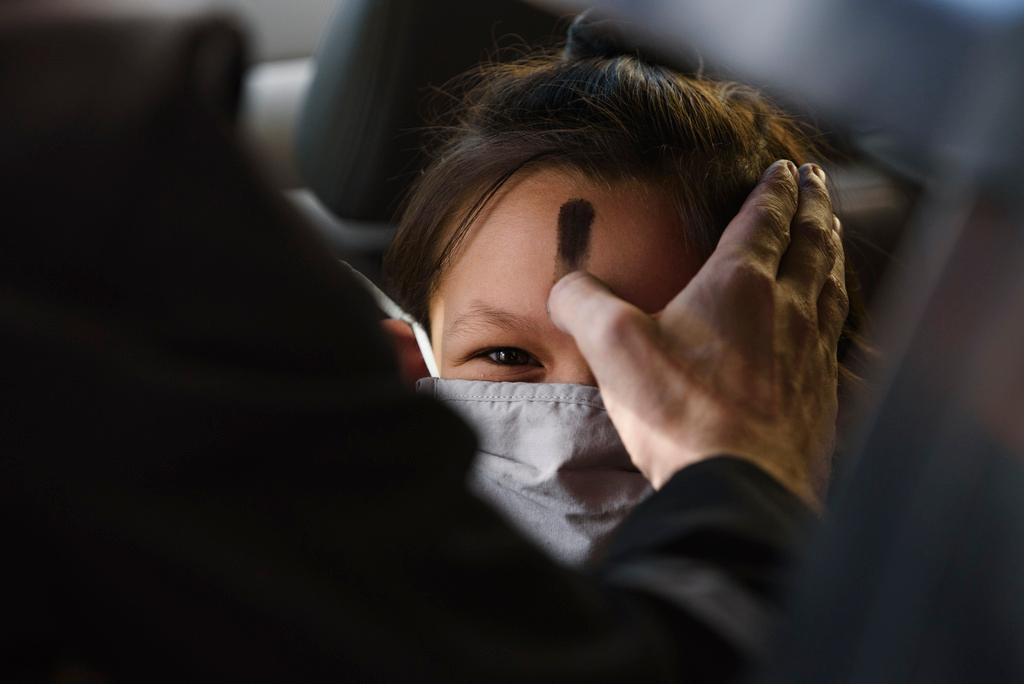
(611, 117)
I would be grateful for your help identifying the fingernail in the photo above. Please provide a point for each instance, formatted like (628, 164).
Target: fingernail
(793, 171)
(779, 164)
(837, 224)
(810, 169)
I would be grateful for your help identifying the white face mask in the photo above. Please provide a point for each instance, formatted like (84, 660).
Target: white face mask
(550, 461)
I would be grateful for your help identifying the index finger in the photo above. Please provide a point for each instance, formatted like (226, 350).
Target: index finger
(760, 231)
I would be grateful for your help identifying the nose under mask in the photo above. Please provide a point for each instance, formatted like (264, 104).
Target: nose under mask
(550, 461)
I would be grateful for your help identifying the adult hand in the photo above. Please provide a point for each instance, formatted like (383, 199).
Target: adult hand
(742, 362)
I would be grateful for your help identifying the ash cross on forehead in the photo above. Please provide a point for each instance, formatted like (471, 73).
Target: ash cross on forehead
(574, 220)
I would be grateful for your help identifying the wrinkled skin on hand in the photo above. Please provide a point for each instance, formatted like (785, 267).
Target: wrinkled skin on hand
(743, 360)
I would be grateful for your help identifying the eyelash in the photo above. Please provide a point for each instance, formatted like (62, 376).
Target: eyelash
(487, 355)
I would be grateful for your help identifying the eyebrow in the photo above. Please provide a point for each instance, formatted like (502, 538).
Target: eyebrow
(482, 314)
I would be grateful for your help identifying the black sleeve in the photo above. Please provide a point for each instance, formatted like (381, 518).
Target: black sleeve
(209, 469)
(715, 546)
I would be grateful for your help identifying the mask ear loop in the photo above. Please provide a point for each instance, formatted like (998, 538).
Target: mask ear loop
(392, 310)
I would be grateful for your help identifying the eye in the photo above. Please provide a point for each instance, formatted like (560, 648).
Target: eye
(509, 356)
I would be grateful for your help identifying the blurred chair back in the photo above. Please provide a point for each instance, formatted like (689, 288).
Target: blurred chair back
(360, 133)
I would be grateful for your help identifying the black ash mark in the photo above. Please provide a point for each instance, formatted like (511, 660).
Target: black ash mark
(574, 221)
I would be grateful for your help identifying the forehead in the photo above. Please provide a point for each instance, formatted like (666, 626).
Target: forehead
(509, 257)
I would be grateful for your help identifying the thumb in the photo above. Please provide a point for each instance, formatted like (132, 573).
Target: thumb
(616, 338)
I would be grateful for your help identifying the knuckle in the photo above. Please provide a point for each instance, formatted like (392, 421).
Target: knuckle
(836, 241)
(771, 214)
(843, 304)
(815, 231)
(836, 292)
(837, 281)
(834, 313)
(801, 317)
(752, 278)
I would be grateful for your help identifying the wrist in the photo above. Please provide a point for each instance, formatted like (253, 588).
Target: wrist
(797, 482)
(671, 459)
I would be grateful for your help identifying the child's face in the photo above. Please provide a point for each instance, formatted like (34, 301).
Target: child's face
(489, 319)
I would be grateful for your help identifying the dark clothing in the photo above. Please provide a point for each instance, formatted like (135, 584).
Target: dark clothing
(920, 575)
(209, 467)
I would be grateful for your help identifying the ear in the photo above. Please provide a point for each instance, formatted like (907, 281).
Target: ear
(410, 362)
